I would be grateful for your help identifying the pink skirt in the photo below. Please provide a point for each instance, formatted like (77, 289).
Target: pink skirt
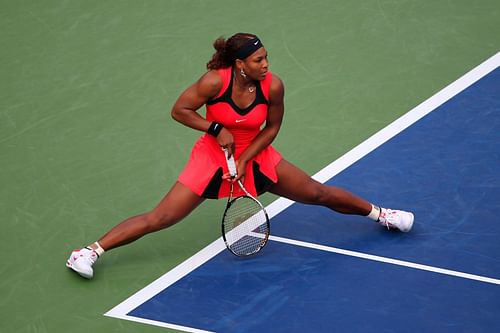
(207, 163)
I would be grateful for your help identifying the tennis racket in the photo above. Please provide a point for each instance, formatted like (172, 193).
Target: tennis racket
(245, 223)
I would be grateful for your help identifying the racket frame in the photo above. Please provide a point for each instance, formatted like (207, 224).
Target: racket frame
(231, 200)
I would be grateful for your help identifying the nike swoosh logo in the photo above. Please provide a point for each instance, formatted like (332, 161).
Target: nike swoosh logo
(240, 120)
(257, 42)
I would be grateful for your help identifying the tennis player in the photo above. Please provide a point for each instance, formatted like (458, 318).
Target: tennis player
(244, 111)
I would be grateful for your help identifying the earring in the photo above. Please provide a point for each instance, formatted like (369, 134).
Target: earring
(242, 73)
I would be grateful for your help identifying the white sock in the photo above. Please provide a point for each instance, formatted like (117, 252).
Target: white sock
(99, 250)
(374, 214)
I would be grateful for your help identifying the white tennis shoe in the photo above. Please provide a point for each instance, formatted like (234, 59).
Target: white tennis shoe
(396, 219)
(81, 261)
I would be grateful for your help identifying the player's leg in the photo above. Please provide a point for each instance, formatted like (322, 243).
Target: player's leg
(295, 184)
(177, 204)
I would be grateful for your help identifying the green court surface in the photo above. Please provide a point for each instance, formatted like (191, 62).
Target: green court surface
(86, 138)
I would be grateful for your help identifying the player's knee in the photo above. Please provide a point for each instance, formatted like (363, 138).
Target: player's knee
(317, 194)
(157, 220)
(322, 195)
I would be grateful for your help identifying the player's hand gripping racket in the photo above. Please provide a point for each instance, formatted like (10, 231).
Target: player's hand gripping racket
(245, 224)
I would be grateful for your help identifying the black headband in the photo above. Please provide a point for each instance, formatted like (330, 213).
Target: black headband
(248, 48)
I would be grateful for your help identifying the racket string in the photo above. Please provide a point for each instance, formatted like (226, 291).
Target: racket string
(245, 226)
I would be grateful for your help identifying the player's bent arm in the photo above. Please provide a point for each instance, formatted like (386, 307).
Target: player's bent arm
(194, 97)
(276, 108)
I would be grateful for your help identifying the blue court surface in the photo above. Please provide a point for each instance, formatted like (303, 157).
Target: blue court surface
(327, 272)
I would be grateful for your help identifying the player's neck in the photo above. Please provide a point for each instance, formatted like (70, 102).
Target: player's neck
(244, 83)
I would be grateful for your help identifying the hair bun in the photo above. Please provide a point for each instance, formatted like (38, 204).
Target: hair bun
(220, 44)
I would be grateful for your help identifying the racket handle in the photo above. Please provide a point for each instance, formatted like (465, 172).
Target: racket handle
(231, 165)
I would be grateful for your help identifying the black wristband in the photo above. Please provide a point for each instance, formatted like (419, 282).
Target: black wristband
(215, 129)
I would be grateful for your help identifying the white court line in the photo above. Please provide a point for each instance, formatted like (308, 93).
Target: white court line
(120, 311)
(385, 260)
(162, 324)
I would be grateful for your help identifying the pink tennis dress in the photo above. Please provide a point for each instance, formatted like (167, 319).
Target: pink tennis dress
(207, 162)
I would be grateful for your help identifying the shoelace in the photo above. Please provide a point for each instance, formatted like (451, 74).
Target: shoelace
(384, 215)
(92, 256)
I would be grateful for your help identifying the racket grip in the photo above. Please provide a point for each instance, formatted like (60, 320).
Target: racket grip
(231, 165)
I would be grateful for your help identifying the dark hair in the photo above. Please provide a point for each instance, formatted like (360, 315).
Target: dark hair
(226, 49)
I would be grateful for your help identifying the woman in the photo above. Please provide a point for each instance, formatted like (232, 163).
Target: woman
(240, 95)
